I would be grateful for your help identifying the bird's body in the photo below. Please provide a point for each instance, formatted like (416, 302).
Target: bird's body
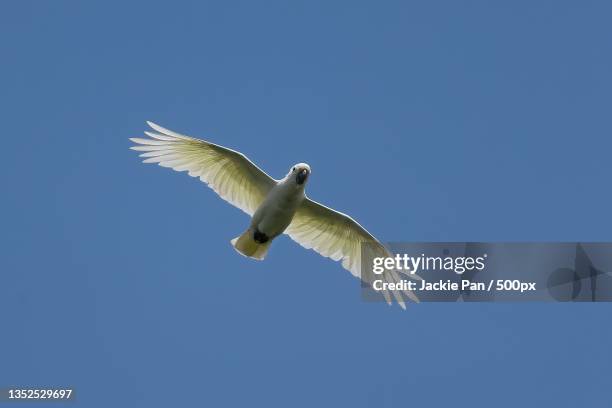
(273, 216)
(275, 206)
(276, 212)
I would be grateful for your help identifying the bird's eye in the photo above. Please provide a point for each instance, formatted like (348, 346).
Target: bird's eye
(293, 169)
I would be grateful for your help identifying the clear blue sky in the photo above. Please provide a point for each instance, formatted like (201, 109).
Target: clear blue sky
(426, 121)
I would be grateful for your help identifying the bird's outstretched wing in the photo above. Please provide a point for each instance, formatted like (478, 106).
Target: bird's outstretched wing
(337, 236)
(234, 177)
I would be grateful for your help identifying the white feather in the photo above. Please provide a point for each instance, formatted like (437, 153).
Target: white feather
(223, 169)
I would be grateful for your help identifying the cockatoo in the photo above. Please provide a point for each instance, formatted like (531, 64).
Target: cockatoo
(275, 206)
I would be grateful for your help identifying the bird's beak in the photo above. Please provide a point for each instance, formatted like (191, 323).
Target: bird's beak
(301, 176)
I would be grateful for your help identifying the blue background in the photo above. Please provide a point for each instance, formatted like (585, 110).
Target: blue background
(429, 120)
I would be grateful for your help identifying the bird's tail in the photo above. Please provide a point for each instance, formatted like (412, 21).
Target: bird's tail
(247, 246)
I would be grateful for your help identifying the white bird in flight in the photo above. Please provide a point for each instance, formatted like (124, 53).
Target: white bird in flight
(275, 206)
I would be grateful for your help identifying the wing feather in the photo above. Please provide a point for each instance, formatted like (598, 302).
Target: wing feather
(229, 173)
(338, 236)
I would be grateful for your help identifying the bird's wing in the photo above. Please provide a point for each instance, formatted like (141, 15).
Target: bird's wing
(337, 236)
(229, 173)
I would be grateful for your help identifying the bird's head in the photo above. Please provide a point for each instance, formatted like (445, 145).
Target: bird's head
(299, 173)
